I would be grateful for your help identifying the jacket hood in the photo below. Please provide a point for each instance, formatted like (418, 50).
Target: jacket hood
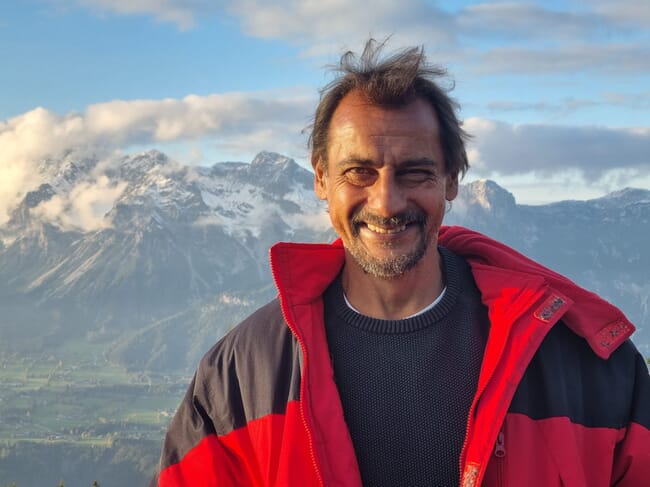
(602, 324)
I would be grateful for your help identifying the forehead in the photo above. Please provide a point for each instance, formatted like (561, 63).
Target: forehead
(358, 124)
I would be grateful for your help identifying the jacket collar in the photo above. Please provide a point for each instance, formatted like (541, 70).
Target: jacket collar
(303, 271)
(602, 324)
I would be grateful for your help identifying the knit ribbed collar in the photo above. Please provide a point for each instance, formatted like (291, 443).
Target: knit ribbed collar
(408, 325)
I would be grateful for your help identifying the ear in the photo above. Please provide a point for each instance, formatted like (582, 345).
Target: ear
(452, 186)
(320, 178)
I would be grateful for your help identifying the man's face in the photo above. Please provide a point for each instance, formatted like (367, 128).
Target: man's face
(385, 183)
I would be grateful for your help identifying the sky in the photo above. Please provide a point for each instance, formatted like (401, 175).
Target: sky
(556, 94)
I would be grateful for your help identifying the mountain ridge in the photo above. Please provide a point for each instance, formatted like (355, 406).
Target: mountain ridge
(170, 242)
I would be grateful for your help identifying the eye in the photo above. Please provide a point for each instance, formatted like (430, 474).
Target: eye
(414, 176)
(360, 176)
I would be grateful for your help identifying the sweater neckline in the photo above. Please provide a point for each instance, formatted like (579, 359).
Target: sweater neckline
(405, 325)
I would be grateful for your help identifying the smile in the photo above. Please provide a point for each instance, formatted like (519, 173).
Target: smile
(384, 230)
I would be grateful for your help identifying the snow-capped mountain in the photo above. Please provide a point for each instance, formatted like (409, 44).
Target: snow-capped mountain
(177, 248)
(154, 260)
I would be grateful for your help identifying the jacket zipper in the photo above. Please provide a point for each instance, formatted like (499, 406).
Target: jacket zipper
(500, 454)
(479, 393)
(303, 394)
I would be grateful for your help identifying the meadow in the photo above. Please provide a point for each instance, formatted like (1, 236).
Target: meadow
(56, 412)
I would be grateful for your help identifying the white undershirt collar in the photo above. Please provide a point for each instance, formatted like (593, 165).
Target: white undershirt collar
(422, 311)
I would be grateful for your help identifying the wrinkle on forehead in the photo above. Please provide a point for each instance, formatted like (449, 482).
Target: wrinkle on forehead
(355, 102)
(362, 130)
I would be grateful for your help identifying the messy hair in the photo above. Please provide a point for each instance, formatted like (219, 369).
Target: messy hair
(391, 82)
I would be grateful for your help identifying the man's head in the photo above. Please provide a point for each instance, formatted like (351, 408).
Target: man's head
(383, 165)
(391, 82)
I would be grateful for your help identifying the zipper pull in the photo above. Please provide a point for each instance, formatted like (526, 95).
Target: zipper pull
(500, 446)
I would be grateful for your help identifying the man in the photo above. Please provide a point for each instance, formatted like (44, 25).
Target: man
(408, 353)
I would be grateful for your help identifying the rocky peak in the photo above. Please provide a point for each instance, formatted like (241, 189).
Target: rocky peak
(43, 193)
(273, 173)
(626, 196)
(132, 167)
(271, 158)
(487, 194)
(65, 171)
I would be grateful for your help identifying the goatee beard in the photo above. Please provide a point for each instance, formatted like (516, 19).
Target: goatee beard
(394, 265)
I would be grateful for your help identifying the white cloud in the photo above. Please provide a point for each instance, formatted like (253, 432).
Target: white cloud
(339, 21)
(605, 35)
(531, 38)
(635, 101)
(83, 207)
(507, 149)
(319, 25)
(234, 120)
(182, 13)
(510, 20)
(193, 116)
(320, 221)
(629, 13)
(565, 106)
(23, 141)
(611, 59)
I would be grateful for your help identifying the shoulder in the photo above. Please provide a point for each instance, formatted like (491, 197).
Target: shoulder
(259, 334)
(566, 349)
(566, 378)
(254, 370)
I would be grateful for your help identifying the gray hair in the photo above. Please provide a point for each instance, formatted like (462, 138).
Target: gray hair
(391, 82)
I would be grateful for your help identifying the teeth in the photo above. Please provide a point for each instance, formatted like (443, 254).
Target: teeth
(375, 229)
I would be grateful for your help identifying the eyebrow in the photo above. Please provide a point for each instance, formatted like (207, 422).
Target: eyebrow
(364, 161)
(356, 161)
(422, 161)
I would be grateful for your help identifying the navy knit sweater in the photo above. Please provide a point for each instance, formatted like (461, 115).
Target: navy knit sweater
(407, 385)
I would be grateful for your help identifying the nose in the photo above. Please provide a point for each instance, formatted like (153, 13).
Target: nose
(386, 197)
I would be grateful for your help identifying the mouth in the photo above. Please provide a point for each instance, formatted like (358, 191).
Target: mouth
(391, 227)
(385, 230)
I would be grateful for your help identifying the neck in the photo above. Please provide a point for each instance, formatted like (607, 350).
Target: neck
(394, 298)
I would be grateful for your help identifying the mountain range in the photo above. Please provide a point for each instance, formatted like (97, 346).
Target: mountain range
(174, 255)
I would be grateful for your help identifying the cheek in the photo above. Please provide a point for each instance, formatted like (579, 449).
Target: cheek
(343, 204)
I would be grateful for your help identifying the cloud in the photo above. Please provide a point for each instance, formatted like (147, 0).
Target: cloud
(318, 26)
(528, 38)
(603, 35)
(337, 21)
(182, 13)
(252, 122)
(125, 122)
(611, 59)
(635, 101)
(83, 207)
(320, 221)
(509, 20)
(628, 13)
(569, 105)
(564, 106)
(507, 149)
(26, 139)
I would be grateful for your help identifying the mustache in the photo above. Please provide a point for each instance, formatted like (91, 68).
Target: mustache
(403, 218)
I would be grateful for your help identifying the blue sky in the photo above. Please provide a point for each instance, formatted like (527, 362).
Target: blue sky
(556, 94)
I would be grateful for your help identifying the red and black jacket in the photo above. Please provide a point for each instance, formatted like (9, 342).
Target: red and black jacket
(563, 396)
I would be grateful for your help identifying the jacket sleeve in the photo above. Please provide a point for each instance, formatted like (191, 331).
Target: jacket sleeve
(240, 411)
(193, 454)
(632, 455)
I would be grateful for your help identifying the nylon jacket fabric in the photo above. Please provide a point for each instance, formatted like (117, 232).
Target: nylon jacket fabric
(563, 396)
